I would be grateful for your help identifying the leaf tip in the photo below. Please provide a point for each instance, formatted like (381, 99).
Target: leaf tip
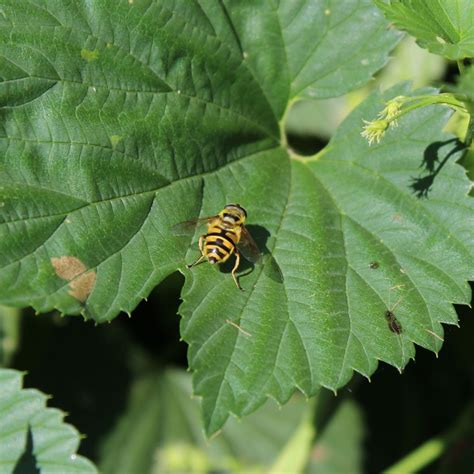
(272, 397)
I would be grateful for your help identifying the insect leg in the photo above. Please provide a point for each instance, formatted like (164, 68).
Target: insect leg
(236, 266)
(202, 257)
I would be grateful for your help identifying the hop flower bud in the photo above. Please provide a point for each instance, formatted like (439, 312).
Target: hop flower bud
(374, 130)
(391, 110)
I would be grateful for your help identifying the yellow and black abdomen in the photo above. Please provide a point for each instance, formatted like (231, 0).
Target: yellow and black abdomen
(220, 243)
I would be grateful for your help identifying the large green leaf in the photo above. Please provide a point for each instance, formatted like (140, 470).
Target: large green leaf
(116, 117)
(121, 119)
(30, 430)
(445, 27)
(333, 218)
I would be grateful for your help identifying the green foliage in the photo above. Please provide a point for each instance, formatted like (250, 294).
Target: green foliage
(162, 431)
(445, 27)
(327, 318)
(344, 434)
(116, 119)
(465, 86)
(120, 120)
(27, 425)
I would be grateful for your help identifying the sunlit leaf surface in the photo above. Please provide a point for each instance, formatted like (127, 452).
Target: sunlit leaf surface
(122, 119)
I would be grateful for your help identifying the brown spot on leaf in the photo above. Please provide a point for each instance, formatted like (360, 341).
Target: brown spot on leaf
(73, 270)
(82, 286)
(68, 267)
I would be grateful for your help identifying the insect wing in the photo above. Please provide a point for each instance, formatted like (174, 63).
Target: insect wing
(189, 227)
(251, 252)
(248, 247)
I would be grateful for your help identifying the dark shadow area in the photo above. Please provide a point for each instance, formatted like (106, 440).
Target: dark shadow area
(404, 411)
(271, 268)
(154, 324)
(27, 462)
(84, 366)
(433, 164)
(89, 369)
(305, 145)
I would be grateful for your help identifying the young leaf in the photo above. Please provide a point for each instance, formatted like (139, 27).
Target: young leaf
(445, 27)
(31, 433)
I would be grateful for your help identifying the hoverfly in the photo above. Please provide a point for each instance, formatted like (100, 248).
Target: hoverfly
(226, 235)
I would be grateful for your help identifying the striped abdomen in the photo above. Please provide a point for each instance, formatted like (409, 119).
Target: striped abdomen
(220, 243)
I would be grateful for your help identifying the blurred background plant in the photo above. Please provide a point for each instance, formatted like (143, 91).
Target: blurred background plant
(129, 387)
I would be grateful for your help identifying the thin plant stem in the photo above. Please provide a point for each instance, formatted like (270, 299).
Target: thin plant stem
(432, 449)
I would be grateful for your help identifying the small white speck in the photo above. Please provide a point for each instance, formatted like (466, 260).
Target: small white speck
(93, 89)
(2, 204)
(178, 91)
(327, 12)
(364, 62)
(67, 221)
(440, 40)
(73, 457)
(245, 54)
(130, 2)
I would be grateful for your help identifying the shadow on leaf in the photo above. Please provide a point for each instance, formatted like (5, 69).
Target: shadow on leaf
(270, 265)
(433, 164)
(27, 462)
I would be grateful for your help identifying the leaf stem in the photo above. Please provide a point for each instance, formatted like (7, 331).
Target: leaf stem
(461, 67)
(421, 457)
(424, 100)
(432, 449)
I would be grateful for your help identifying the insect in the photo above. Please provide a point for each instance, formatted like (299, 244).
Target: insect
(226, 235)
(393, 323)
(374, 265)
